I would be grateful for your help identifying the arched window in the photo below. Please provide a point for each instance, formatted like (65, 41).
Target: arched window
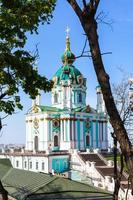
(55, 140)
(87, 140)
(80, 98)
(55, 98)
(36, 143)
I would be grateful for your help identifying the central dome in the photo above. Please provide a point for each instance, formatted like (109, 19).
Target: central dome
(67, 72)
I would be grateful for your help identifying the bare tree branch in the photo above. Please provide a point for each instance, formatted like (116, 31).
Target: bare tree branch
(76, 7)
(84, 3)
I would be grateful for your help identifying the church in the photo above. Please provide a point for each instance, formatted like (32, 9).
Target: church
(69, 124)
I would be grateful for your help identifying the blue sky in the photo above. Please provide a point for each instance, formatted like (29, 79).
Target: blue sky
(51, 45)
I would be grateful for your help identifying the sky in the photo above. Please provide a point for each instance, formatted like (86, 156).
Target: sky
(117, 38)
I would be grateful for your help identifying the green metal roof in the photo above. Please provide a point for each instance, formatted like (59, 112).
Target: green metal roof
(50, 108)
(23, 185)
(5, 161)
(5, 166)
(20, 183)
(3, 170)
(85, 109)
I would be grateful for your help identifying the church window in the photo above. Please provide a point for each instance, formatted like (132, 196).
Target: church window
(56, 123)
(17, 163)
(87, 140)
(80, 98)
(43, 165)
(55, 98)
(55, 140)
(36, 165)
(30, 165)
(25, 164)
(36, 143)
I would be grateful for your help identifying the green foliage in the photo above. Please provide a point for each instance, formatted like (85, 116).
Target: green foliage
(111, 157)
(17, 17)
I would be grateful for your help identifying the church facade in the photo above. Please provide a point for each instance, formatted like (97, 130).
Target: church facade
(69, 123)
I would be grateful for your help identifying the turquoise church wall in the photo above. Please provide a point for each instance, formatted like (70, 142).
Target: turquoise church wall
(60, 165)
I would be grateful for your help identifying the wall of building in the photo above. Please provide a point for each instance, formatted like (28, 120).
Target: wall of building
(31, 163)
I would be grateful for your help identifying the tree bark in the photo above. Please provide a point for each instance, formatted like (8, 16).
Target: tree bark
(89, 24)
(116, 179)
(3, 192)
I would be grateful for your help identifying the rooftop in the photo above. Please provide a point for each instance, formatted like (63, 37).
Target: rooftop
(22, 185)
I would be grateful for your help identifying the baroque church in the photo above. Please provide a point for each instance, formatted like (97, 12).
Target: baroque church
(69, 124)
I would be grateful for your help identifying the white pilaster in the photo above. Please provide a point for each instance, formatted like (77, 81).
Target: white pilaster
(68, 130)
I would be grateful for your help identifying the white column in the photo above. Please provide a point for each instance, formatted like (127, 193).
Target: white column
(64, 130)
(72, 130)
(106, 135)
(81, 135)
(61, 130)
(41, 135)
(76, 136)
(68, 130)
(81, 130)
(30, 136)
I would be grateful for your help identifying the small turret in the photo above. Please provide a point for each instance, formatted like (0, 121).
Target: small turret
(100, 102)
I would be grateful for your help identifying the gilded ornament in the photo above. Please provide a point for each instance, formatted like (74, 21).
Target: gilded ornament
(35, 109)
(36, 123)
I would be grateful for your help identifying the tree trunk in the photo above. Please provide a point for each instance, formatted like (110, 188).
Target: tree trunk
(103, 80)
(116, 179)
(3, 192)
(89, 24)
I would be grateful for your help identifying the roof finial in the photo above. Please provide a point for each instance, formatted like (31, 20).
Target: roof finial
(67, 39)
(67, 32)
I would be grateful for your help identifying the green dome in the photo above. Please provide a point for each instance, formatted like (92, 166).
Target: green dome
(68, 57)
(67, 72)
